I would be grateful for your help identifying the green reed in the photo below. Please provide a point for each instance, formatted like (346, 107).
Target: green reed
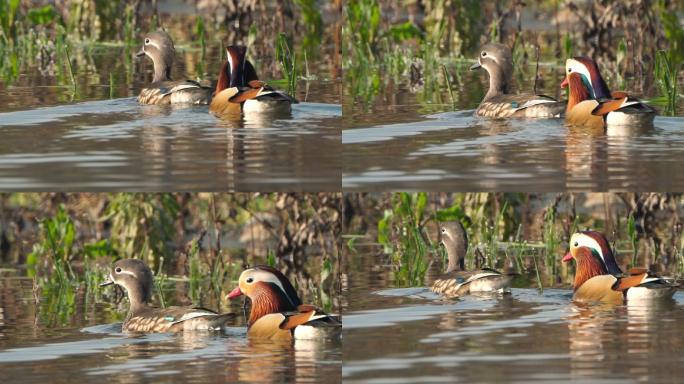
(633, 240)
(666, 72)
(401, 232)
(288, 62)
(200, 32)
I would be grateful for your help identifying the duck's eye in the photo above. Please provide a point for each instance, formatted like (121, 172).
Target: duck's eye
(117, 270)
(484, 53)
(569, 70)
(147, 41)
(249, 280)
(576, 244)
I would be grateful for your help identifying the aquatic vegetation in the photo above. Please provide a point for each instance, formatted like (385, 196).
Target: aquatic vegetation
(288, 62)
(496, 225)
(666, 73)
(401, 231)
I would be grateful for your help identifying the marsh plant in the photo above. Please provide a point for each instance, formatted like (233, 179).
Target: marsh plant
(528, 234)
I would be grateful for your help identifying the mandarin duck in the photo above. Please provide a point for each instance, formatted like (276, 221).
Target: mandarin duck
(158, 46)
(276, 310)
(591, 103)
(598, 277)
(239, 90)
(136, 279)
(457, 281)
(496, 59)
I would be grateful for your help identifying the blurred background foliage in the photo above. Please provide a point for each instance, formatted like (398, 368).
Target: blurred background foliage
(67, 242)
(523, 233)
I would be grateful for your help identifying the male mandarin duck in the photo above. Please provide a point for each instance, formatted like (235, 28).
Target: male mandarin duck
(599, 279)
(239, 90)
(592, 104)
(158, 46)
(277, 312)
(457, 281)
(499, 102)
(136, 278)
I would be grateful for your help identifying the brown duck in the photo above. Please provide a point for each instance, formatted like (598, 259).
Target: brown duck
(457, 281)
(277, 312)
(136, 279)
(496, 59)
(158, 46)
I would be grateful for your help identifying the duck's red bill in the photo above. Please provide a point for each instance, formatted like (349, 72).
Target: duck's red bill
(235, 293)
(564, 83)
(567, 257)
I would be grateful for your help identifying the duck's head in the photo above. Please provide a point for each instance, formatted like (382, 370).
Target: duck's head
(158, 46)
(135, 277)
(580, 89)
(268, 290)
(598, 243)
(497, 60)
(588, 72)
(588, 264)
(237, 71)
(454, 238)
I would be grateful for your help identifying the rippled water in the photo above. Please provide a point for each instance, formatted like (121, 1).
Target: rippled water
(45, 344)
(412, 335)
(120, 145)
(404, 145)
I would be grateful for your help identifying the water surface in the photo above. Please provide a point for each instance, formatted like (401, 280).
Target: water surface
(403, 335)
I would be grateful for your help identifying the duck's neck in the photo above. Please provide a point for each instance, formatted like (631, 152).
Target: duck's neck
(498, 82)
(578, 92)
(162, 71)
(456, 257)
(138, 299)
(268, 299)
(587, 267)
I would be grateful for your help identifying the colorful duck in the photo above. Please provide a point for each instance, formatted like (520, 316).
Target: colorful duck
(277, 312)
(239, 90)
(599, 279)
(591, 103)
(158, 46)
(136, 279)
(496, 59)
(457, 281)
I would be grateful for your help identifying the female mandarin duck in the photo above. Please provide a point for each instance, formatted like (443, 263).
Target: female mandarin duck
(592, 104)
(277, 312)
(457, 281)
(239, 90)
(158, 46)
(499, 102)
(136, 278)
(598, 277)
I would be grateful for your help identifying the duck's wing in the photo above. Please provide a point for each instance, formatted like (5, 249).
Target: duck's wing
(259, 90)
(622, 102)
(305, 313)
(643, 279)
(521, 105)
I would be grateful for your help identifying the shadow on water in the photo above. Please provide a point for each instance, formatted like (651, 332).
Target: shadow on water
(527, 335)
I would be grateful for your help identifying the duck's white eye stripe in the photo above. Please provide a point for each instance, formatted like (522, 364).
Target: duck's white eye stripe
(152, 43)
(264, 276)
(124, 272)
